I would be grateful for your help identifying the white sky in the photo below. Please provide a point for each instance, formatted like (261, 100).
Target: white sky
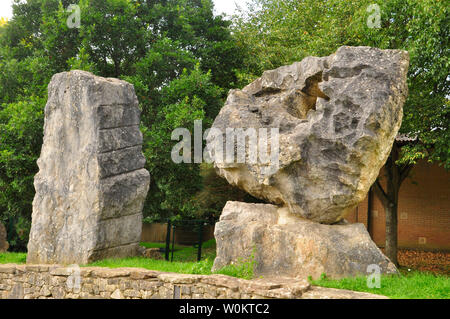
(222, 6)
(5, 8)
(227, 6)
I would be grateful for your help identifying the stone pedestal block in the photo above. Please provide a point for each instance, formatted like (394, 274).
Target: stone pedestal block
(282, 244)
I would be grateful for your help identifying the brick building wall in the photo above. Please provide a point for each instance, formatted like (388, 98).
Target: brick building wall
(423, 211)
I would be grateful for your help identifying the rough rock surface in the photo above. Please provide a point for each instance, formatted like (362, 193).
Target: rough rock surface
(337, 117)
(91, 184)
(3, 239)
(286, 245)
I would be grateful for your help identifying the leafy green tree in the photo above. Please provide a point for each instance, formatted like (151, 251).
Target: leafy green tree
(275, 33)
(60, 43)
(113, 35)
(21, 127)
(20, 79)
(280, 32)
(163, 63)
(173, 186)
(156, 45)
(193, 24)
(22, 33)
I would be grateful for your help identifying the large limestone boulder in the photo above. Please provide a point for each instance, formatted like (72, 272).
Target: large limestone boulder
(3, 239)
(91, 184)
(337, 116)
(282, 244)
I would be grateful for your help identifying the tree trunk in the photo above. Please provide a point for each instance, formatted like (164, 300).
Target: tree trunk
(369, 213)
(395, 177)
(392, 233)
(116, 62)
(393, 187)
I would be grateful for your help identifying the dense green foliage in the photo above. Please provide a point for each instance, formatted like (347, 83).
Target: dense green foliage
(180, 57)
(20, 140)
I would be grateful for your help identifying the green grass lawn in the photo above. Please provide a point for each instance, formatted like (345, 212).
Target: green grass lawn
(185, 261)
(409, 285)
(187, 253)
(13, 258)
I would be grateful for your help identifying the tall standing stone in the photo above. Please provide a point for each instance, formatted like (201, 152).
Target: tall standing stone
(91, 184)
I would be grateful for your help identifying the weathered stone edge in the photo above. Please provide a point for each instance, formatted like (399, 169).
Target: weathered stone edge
(282, 288)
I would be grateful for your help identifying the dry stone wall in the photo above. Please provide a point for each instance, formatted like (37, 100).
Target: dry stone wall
(57, 282)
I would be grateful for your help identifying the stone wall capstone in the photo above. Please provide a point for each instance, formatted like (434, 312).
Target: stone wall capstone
(57, 282)
(91, 184)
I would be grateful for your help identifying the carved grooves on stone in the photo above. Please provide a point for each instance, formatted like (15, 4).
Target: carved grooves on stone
(117, 127)
(122, 173)
(105, 219)
(119, 146)
(120, 156)
(120, 140)
(120, 149)
(111, 116)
